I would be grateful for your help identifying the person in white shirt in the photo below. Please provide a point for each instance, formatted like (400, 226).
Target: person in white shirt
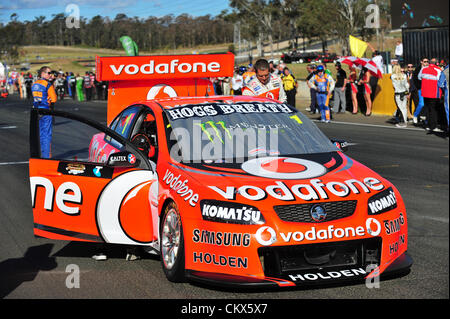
(237, 83)
(378, 59)
(401, 89)
(399, 50)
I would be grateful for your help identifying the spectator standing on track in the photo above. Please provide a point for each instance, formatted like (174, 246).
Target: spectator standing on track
(226, 88)
(323, 84)
(73, 85)
(352, 79)
(247, 75)
(28, 84)
(364, 80)
(443, 84)
(87, 86)
(44, 96)
(93, 87)
(21, 85)
(67, 84)
(265, 84)
(399, 51)
(401, 90)
(79, 85)
(413, 95)
(311, 68)
(423, 63)
(290, 86)
(339, 90)
(274, 69)
(237, 82)
(378, 59)
(431, 94)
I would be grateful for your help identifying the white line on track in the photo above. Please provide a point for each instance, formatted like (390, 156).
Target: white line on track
(7, 127)
(13, 163)
(373, 125)
(437, 219)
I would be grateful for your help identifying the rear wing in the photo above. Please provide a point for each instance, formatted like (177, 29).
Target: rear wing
(140, 78)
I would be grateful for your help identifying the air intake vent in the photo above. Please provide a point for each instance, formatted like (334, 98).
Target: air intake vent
(301, 213)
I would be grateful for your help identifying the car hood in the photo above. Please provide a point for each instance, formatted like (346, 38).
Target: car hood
(285, 180)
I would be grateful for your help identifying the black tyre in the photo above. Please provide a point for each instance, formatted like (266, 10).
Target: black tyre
(172, 244)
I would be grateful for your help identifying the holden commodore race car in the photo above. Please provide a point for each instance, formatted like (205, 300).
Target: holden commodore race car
(227, 190)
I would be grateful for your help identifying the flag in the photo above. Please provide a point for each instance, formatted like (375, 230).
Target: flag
(357, 46)
(129, 45)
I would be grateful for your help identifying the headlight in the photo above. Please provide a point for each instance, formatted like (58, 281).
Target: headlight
(382, 202)
(231, 213)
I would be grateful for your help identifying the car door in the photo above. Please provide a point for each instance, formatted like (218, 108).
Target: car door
(95, 185)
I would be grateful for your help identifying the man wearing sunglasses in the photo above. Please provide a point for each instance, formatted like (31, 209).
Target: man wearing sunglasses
(431, 93)
(44, 96)
(413, 91)
(265, 84)
(424, 62)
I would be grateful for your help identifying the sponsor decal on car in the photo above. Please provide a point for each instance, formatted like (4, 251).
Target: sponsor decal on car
(75, 169)
(85, 170)
(267, 236)
(393, 248)
(220, 260)
(221, 238)
(67, 192)
(354, 272)
(382, 202)
(181, 188)
(314, 190)
(226, 212)
(188, 111)
(394, 226)
(283, 168)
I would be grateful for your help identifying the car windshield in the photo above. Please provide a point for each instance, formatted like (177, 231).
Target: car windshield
(221, 132)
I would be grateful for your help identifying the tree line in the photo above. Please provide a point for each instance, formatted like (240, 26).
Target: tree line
(150, 34)
(258, 21)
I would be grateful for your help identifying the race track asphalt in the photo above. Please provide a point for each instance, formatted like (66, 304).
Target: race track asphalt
(415, 162)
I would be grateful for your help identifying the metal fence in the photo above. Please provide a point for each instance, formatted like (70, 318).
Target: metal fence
(424, 42)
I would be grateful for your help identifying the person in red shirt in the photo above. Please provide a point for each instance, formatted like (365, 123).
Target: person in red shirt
(431, 94)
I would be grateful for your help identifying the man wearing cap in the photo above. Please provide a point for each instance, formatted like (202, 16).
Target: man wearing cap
(44, 96)
(324, 86)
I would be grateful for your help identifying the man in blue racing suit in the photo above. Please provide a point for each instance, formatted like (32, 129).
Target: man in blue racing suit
(43, 96)
(324, 86)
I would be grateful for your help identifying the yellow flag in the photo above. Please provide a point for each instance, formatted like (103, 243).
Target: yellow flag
(357, 46)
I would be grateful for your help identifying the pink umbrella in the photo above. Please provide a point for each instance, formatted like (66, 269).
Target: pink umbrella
(371, 66)
(349, 60)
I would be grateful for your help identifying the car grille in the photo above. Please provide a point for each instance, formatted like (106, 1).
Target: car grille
(281, 260)
(300, 213)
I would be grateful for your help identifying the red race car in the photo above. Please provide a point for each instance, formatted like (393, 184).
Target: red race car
(228, 190)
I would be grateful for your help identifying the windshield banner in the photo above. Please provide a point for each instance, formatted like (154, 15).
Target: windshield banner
(188, 111)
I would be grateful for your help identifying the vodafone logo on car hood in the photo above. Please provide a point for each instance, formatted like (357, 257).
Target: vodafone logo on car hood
(283, 168)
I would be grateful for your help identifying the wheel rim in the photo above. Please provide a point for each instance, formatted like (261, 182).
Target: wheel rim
(170, 239)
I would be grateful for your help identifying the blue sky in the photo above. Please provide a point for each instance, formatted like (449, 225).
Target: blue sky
(28, 9)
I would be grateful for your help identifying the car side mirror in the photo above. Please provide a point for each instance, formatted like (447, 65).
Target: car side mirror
(341, 144)
(123, 159)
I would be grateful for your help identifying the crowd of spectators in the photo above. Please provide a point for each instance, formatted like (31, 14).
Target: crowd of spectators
(67, 85)
(243, 74)
(420, 91)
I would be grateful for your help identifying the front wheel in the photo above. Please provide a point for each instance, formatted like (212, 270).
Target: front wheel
(172, 244)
